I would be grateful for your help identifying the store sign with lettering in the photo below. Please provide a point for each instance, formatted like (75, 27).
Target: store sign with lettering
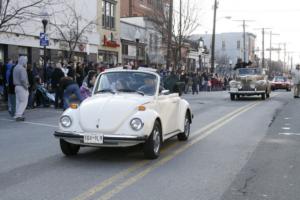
(110, 43)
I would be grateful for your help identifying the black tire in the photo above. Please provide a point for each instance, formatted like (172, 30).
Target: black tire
(68, 149)
(238, 97)
(187, 129)
(263, 96)
(268, 95)
(153, 144)
(232, 97)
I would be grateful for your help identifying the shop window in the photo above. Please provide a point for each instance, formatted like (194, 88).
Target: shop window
(125, 49)
(23, 51)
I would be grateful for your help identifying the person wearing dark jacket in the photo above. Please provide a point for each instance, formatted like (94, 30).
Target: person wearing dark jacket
(57, 75)
(70, 88)
(79, 74)
(11, 93)
(31, 88)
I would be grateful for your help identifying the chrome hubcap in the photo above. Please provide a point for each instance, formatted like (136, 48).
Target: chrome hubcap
(156, 139)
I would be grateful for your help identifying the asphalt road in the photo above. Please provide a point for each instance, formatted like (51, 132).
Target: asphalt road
(247, 149)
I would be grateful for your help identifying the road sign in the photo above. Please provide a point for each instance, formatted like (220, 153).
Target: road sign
(44, 40)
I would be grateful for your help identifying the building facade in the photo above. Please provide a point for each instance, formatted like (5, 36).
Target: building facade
(141, 8)
(109, 29)
(155, 50)
(229, 47)
(27, 41)
(133, 39)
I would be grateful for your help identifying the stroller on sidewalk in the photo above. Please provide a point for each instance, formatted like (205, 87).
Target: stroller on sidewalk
(44, 97)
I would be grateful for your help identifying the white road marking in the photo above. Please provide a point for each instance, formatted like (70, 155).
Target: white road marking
(289, 134)
(287, 118)
(31, 123)
(286, 128)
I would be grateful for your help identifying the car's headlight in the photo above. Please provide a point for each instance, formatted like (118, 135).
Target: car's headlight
(234, 84)
(252, 85)
(261, 82)
(65, 121)
(136, 124)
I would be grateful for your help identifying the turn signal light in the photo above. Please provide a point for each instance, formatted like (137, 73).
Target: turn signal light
(73, 105)
(141, 108)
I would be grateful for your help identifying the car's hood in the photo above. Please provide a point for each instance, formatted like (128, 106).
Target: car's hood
(248, 78)
(106, 113)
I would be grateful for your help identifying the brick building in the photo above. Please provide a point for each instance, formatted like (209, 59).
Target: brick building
(141, 8)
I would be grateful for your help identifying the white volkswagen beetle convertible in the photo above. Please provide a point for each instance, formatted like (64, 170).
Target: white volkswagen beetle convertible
(127, 108)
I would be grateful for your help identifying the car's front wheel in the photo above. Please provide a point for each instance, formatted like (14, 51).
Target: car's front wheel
(232, 97)
(187, 129)
(68, 149)
(153, 144)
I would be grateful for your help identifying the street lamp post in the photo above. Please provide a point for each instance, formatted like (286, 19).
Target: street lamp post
(45, 22)
(201, 45)
(137, 41)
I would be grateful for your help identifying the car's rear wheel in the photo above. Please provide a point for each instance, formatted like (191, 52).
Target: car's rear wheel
(187, 129)
(263, 96)
(232, 97)
(267, 94)
(68, 149)
(153, 144)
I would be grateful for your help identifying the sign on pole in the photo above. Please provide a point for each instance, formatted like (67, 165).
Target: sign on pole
(44, 40)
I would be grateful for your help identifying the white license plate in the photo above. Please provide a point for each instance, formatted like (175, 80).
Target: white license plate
(93, 139)
(233, 90)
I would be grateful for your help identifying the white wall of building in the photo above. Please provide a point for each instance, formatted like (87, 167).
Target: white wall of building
(29, 34)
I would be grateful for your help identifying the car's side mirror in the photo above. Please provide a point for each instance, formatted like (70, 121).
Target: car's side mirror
(165, 92)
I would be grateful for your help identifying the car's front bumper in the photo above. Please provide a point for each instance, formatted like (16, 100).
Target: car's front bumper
(108, 140)
(247, 92)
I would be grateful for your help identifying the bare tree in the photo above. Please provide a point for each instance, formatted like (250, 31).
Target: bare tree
(72, 27)
(13, 13)
(180, 31)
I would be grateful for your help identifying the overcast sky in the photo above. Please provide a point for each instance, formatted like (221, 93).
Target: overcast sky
(282, 16)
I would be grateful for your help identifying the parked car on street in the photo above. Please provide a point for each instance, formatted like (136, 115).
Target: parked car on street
(281, 82)
(127, 108)
(250, 82)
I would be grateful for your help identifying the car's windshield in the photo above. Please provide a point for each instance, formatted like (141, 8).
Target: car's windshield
(280, 79)
(248, 71)
(128, 82)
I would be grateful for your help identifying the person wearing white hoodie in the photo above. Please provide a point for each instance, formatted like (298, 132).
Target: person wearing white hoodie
(20, 79)
(296, 81)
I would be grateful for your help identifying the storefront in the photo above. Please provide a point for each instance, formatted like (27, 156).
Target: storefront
(108, 57)
(3, 53)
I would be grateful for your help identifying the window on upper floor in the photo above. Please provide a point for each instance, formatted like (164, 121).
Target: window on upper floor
(238, 44)
(108, 15)
(223, 45)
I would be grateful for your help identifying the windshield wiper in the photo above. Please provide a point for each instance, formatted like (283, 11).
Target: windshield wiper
(105, 91)
(132, 91)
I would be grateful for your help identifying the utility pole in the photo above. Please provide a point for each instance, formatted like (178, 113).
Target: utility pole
(291, 63)
(180, 31)
(244, 39)
(213, 42)
(170, 34)
(284, 57)
(271, 49)
(263, 62)
(263, 48)
(244, 36)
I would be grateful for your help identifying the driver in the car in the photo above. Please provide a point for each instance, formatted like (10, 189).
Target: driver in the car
(149, 86)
